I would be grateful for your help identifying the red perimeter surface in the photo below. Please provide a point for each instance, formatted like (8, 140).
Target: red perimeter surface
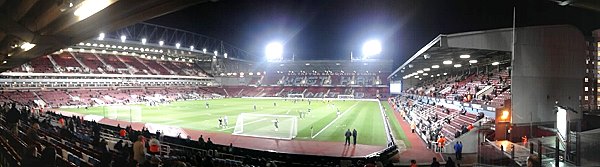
(322, 148)
(418, 150)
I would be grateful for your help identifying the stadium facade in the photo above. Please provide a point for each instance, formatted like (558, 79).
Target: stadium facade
(545, 67)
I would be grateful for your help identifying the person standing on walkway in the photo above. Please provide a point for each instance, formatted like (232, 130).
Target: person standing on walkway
(412, 126)
(348, 134)
(457, 150)
(354, 134)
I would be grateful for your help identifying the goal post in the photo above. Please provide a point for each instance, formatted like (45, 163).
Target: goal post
(264, 126)
(124, 113)
(345, 96)
(295, 95)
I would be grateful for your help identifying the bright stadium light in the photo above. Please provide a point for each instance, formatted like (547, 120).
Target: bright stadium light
(495, 63)
(447, 62)
(457, 65)
(192, 47)
(225, 55)
(427, 69)
(371, 48)
(216, 53)
(177, 45)
(465, 56)
(101, 36)
(26, 46)
(435, 66)
(472, 61)
(204, 50)
(90, 7)
(123, 38)
(274, 51)
(161, 43)
(144, 40)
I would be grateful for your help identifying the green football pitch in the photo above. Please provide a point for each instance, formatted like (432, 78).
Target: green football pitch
(364, 116)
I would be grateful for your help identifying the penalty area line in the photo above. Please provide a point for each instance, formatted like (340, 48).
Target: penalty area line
(331, 123)
(244, 124)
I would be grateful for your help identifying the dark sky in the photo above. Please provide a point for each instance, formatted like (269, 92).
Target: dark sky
(331, 29)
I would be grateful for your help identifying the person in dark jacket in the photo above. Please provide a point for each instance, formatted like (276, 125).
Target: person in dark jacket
(435, 163)
(49, 156)
(30, 157)
(12, 118)
(348, 134)
(354, 134)
(450, 163)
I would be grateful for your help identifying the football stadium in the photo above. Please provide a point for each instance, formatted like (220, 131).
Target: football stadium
(299, 83)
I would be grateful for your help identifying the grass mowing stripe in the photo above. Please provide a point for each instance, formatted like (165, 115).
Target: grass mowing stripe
(194, 115)
(342, 114)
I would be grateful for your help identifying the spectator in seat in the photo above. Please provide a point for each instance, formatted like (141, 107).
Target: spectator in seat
(464, 129)
(154, 146)
(533, 161)
(457, 134)
(139, 150)
(122, 133)
(413, 163)
(435, 163)
(49, 156)
(470, 127)
(119, 146)
(30, 157)
(201, 141)
(209, 144)
(33, 133)
(450, 162)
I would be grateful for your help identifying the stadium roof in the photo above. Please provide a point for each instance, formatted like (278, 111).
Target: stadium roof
(485, 47)
(32, 28)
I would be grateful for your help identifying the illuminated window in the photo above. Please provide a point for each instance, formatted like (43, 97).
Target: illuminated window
(585, 79)
(585, 98)
(585, 89)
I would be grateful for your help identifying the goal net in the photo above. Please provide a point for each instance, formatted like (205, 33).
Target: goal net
(124, 113)
(295, 95)
(266, 126)
(345, 96)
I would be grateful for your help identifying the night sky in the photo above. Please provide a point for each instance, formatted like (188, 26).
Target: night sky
(331, 29)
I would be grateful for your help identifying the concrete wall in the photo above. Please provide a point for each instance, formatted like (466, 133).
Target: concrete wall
(548, 66)
(500, 39)
(232, 81)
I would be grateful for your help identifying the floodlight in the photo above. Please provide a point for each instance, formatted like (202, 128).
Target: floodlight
(161, 43)
(144, 41)
(420, 71)
(457, 65)
(274, 51)
(445, 73)
(447, 62)
(435, 66)
(177, 45)
(472, 61)
(26, 46)
(123, 38)
(204, 50)
(89, 7)
(425, 74)
(495, 63)
(225, 55)
(101, 36)
(371, 48)
(465, 56)
(70, 49)
(192, 47)
(427, 69)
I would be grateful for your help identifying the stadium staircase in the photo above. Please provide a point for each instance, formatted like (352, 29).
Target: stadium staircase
(152, 70)
(78, 61)
(52, 61)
